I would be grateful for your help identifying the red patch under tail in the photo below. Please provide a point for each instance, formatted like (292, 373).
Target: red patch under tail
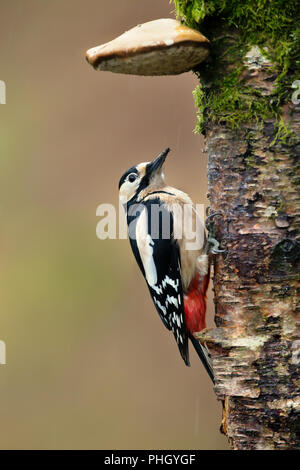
(195, 303)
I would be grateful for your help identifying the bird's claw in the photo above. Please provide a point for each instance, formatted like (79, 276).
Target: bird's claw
(214, 246)
(209, 218)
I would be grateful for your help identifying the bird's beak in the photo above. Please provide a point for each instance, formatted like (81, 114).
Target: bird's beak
(157, 164)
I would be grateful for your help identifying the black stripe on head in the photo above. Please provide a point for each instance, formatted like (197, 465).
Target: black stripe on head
(123, 178)
(143, 184)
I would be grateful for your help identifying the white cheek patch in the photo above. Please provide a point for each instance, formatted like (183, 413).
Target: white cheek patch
(145, 244)
(127, 191)
(123, 198)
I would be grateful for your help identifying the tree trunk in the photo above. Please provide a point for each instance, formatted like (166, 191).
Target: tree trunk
(251, 123)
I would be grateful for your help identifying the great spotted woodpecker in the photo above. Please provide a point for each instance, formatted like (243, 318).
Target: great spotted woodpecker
(176, 267)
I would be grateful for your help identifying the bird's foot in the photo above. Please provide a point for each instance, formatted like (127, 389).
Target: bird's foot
(213, 244)
(209, 219)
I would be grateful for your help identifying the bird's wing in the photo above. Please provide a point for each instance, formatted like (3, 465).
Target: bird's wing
(158, 256)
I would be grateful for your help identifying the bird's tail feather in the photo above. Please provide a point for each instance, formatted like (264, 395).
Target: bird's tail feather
(204, 355)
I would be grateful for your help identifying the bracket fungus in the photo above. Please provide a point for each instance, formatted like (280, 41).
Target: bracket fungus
(160, 47)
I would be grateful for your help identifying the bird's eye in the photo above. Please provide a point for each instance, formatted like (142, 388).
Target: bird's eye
(132, 177)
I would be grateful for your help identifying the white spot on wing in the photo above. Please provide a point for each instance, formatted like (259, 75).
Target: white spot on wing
(171, 282)
(163, 309)
(145, 243)
(172, 300)
(157, 289)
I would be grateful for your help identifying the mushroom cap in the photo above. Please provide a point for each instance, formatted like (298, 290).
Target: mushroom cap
(160, 47)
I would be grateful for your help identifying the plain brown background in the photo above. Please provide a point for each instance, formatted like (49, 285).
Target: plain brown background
(89, 363)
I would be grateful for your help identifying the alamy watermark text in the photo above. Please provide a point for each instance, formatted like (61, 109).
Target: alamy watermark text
(2, 92)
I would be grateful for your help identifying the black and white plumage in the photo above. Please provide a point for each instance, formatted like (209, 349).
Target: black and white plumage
(168, 268)
(159, 261)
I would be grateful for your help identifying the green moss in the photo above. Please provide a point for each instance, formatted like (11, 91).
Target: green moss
(199, 97)
(271, 25)
(230, 103)
(283, 133)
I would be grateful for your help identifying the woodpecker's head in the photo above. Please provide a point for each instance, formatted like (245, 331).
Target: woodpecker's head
(142, 176)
